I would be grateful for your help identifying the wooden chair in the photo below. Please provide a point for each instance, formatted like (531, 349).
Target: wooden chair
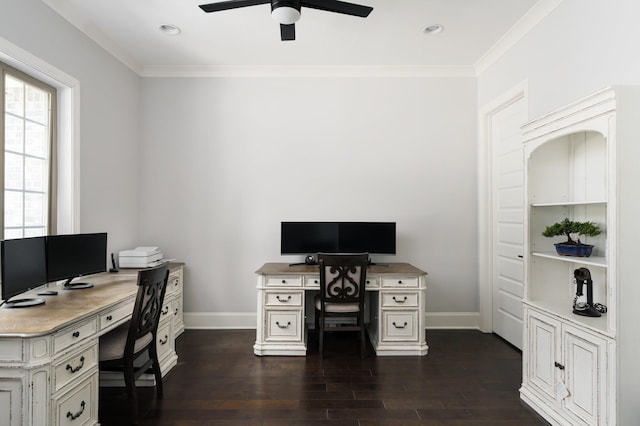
(121, 347)
(342, 290)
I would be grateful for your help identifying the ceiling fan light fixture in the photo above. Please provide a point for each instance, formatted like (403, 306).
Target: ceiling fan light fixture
(434, 29)
(285, 15)
(170, 29)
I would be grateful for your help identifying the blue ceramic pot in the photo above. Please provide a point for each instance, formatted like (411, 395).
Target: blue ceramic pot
(578, 250)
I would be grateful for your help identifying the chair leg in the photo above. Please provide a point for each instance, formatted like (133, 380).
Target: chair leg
(130, 384)
(321, 338)
(157, 373)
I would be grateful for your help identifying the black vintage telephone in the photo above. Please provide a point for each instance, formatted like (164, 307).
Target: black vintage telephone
(589, 309)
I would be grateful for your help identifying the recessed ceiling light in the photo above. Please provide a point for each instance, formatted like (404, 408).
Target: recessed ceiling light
(170, 29)
(434, 29)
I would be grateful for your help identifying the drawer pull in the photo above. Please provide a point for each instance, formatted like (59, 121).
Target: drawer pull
(283, 301)
(176, 311)
(399, 281)
(165, 311)
(109, 317)
(560, 366)
(166, 339)
(76, 369)
(315, 281)
(283, 326)
(72, 416)
(399, 326)
(284, 281)
(399, 301)
(76, 334)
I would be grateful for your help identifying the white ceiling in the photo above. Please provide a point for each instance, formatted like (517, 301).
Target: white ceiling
(392, 35)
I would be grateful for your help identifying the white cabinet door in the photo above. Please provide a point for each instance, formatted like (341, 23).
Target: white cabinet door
(585, 373)
(11, 408)
(543, 341)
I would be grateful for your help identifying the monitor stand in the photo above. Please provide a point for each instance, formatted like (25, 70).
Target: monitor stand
(24, 303)
(68, 285)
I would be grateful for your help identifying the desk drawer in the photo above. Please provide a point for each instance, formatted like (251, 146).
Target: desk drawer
(312, 281)
(167, 310)
(164, 341)
(71, 335)
(74, 366)
(283, 298)
(372, 282)
(400, 326)
(174, 284)
(399, 299)
(400, 282)
(116, 315)
(283, 325)
(178, 317)
(284, 281)
(80, 405)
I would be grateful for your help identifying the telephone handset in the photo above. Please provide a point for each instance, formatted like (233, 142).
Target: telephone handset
(588, 308)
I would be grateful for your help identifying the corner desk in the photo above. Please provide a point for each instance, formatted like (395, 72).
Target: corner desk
(395, 301)
(49, 353)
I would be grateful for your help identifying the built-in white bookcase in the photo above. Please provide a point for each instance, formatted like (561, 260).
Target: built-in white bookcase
(583, 163)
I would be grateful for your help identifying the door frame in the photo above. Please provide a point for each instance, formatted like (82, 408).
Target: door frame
(485, 198)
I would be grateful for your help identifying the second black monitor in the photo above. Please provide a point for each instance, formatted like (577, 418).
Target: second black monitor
(75, 255)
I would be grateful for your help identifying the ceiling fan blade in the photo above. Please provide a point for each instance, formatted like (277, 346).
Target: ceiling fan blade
(287, 32)
(231, 4)
(339, 7)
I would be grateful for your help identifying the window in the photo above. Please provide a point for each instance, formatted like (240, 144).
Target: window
(28, 117)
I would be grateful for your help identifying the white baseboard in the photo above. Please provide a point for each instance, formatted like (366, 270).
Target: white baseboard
(220, 320)
(452, 320)
(247, 320)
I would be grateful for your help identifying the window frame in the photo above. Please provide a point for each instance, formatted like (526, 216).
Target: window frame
(52, 183)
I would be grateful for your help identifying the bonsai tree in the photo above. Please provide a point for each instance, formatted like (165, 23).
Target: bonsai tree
(568, 227)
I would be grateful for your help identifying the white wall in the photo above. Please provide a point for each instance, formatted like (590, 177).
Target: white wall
(109, 115)
(581, 47)
(228, 159)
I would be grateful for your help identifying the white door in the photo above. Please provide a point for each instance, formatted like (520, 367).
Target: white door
(507, 222)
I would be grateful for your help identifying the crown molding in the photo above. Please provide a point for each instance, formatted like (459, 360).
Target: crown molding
(521, 28)
(538, 12)
(308, 71)
(62, 8)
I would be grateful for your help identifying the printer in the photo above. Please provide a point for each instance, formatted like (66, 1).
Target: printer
(140, 257)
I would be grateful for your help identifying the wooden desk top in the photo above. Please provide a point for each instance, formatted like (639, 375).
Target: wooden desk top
(382, 269)
(69, 306)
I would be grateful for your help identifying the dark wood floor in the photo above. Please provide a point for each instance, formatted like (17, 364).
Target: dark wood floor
(468, 378)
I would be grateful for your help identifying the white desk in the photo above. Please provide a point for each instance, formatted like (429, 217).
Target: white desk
(396, 304)
(49, 353)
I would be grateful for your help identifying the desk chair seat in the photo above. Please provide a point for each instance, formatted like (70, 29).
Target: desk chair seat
(337, 307)
(122, 346)
(112, 345)
(342, 290)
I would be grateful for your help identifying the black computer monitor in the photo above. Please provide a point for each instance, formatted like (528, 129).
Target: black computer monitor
(24, 267)
(367, 237)
(75, 255)
(308, 237)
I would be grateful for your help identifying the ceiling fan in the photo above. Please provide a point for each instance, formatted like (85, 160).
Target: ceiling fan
(287, 12)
